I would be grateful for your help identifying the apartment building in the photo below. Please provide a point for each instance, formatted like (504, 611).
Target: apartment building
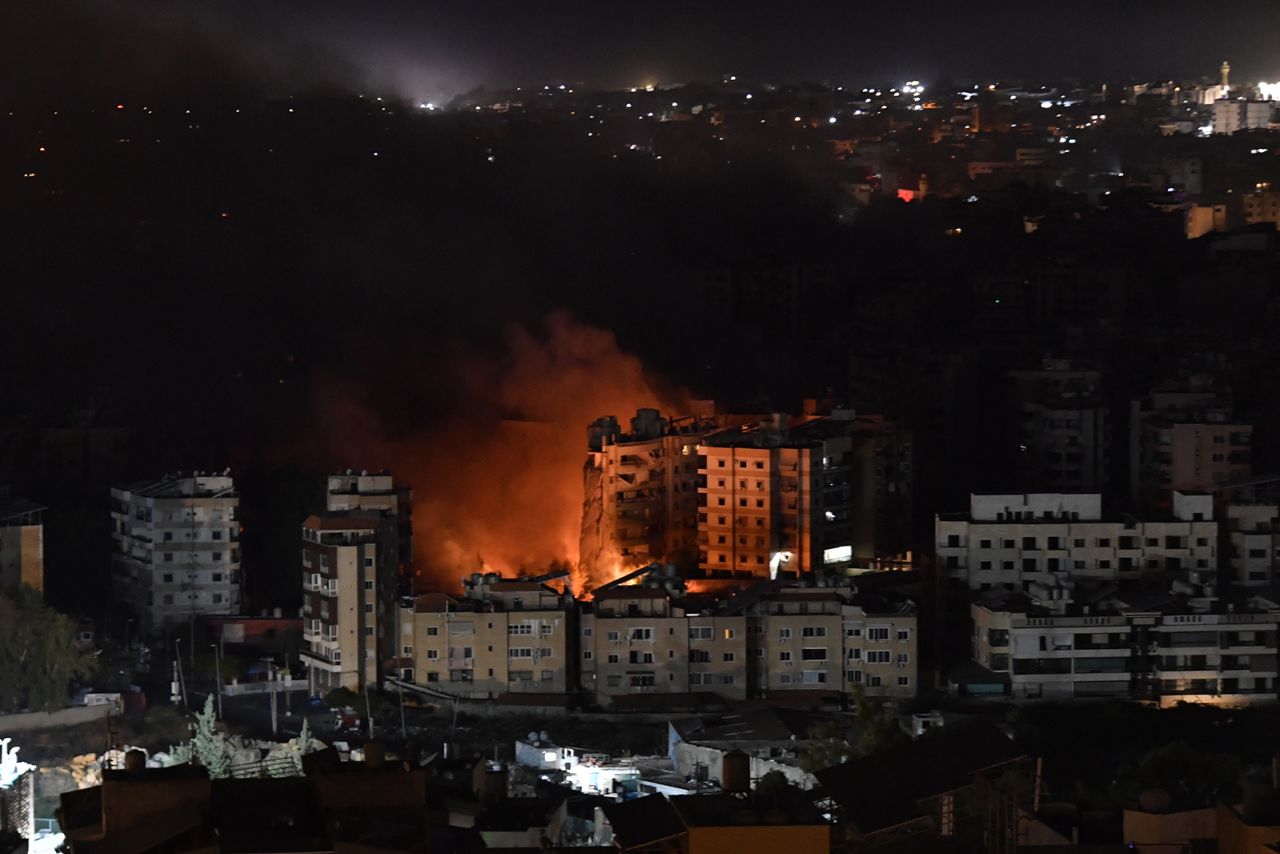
(177, 549)
(349, 568)
(1062, 641)
(21, 542)
(503, 636)
(636, 640)
(1253, 542)
(641, 490)
(1010, 541)
(378, 493)
(1063, 428)
(1262, 205)
(1192, 451)
(830, 639)
(824, 494)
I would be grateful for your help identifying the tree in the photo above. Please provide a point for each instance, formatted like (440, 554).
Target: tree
(208, 745)
(827, 747)
(39, 658)
(878, 729)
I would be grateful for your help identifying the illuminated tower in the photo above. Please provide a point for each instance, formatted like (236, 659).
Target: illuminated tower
(1226, 78)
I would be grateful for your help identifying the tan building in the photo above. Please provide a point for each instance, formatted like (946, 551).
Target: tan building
(1192, 451)
(1262, 205)
(830, 639)
(503, 636)
(349, 591)
(641, 491)
(823, 495)
(21, 543)
(377, 492)
(177, 545)
(635, 641)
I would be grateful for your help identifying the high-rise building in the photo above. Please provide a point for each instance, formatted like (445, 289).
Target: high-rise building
(1063, 428)
(826, 494)
(21, 542)
(350, 565)
(177, 545)
(377, 492)
(641, 491)
(1183, 437)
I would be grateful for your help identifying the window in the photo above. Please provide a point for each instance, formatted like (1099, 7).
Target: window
(785, 678)
(813, 653)
(853, 632)
(877, 656)
(642, 634)
(586, 655)
(368, 584)
(521, 652)
(613, 658)
(520, 629)
(368, 607)
(904, 681)
(217, 557)
(700, 633)
(217, 598)
(877, 633)
(433, 654)
(168, 536)
(586, 633)
(784, 634)
(641, 657)
(406, 650)
(699, 656)
(903, 658)
(813, 677)
(548, 675)
(613, 636)
(368, 631)
(726, 679)
(904, 634)
(168, 557)
(545, 651)
(729, 634)
(813, 632)
(728, 656)
(433, 631)
(217, 577)
(168, 577)
(784, 655)
(217, 534)
(855, 654)
(874, 681)
(855, 676)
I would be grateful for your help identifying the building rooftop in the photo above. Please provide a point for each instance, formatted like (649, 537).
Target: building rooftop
(19, 511)
(197, 485)
(788, 806)
(883, 790)
(643, 821)
(758, 723)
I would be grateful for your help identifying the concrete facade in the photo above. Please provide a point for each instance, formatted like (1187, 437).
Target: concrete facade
(1009, 541)
(177, 548)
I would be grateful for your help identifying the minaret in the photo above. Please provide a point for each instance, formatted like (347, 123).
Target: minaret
(1226, 77)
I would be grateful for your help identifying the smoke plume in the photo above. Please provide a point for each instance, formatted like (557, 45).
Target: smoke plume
(499, 484)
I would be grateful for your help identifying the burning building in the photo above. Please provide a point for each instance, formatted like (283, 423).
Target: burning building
(640, 491)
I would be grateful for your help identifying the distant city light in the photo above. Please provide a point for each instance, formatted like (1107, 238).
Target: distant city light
(831, 120)
(1046, 105)
(426, 105)
(1269, 91)
(748, 96)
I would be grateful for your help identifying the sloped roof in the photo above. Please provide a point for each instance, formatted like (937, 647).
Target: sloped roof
(643, 821)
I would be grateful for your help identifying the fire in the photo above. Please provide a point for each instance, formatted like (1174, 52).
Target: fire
(500, 486)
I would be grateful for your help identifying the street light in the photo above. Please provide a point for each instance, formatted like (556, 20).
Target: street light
(217, 675)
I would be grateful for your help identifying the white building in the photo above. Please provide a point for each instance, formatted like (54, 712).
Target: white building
(1010, 541)
(177, 545)
(1186, 645)
(1233, 116)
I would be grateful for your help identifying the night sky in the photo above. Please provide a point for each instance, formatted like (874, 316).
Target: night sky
(434, 50)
